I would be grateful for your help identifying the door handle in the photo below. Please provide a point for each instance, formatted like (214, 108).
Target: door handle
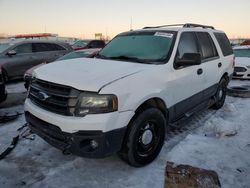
(199, 71)
(219, 64)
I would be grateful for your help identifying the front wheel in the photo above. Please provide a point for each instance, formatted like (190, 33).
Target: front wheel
(220, 95)
(144, 138)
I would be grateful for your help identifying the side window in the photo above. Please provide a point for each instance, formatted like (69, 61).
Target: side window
(40, 47)
(55, 47)
(187, 44)
(44, 47)
(93, 44)
(97, 44)
(23, 48)
(207, 46)
(224, 43)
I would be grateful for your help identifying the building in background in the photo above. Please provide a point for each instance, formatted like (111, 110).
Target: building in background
(43, 36)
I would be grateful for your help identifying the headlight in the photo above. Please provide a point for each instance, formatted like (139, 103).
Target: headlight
(93, 103)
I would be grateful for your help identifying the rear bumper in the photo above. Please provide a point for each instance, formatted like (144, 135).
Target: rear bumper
(78, 143)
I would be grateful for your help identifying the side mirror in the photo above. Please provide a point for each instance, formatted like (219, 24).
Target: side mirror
(188, 59)
(11, 53)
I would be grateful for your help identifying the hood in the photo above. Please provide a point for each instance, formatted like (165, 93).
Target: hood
(30, 71)
(87, 74)
(242, 61)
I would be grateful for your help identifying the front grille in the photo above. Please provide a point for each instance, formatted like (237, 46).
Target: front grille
(53, 97)
(240, 69)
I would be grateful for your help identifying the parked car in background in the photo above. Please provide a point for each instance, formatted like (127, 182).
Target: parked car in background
(242, 62)
(16, 58)
(3, 92)
(89, 53)
(246, 42)
(85, 44)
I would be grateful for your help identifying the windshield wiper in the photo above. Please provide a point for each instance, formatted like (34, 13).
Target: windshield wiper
(135, 59)
(101, 56)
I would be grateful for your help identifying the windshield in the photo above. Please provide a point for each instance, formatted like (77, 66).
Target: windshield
(4, 46)
(142, 47)
(81, 43)
(74, 55)
(242, 52)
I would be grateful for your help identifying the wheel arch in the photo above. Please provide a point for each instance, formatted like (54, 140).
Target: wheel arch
(226, 77)
(154, 102)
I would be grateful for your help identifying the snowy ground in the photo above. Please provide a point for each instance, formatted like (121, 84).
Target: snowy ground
(216, 140)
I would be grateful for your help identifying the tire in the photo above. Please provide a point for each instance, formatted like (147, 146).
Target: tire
(5, 76)
(144, 139)
(220, 95)
(239, 91)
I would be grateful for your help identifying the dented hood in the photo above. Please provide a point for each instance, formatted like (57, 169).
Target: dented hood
(87, 74)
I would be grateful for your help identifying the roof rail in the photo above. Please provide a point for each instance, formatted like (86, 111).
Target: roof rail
(186, 25)
(198, 25)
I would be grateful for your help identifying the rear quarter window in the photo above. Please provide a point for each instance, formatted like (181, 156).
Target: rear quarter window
(224, 43)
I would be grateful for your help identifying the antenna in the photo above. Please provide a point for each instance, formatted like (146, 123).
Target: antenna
(131, 24)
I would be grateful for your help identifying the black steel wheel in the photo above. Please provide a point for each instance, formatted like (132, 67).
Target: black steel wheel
(220, 95)
(145, 137)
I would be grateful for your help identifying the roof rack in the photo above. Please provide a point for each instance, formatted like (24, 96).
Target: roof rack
(186, 25)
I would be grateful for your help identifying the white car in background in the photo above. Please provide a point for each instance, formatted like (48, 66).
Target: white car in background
(242, 62)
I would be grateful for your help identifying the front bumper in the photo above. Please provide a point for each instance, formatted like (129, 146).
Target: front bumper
(78, 143)
(241, 73)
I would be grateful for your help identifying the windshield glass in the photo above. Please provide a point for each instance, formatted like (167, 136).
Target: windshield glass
(74, 55)
(81, 43)
(140, 47)
(242, 52)
(4, 46)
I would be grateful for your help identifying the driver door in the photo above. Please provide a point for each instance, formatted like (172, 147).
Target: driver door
(188, 80)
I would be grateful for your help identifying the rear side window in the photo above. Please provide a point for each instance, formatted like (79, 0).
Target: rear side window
(97, 44)
(187, 44)
(44, 47)
(207, 45)
(224, 43)
(55, 47)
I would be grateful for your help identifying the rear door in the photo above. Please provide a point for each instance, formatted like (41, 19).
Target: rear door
(211, 64)
(47, 52)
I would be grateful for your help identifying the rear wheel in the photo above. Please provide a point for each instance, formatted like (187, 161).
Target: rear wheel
(144, 138)
(220, 95)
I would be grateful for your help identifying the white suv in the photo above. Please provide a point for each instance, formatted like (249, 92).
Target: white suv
(124, 99)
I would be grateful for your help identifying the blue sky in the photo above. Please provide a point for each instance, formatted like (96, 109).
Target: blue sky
(83, 18)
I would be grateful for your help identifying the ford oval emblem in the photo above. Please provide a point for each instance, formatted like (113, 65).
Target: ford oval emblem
(42, 96)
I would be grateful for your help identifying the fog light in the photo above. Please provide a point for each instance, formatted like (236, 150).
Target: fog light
(93, 144)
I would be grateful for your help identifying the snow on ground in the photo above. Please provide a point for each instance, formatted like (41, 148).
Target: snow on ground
(221, 143)
(16, 87)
